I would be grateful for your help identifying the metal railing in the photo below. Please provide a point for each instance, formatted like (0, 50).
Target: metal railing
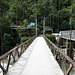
(65, 62)
(9, 58)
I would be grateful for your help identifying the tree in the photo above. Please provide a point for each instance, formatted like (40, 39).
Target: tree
(3, 8)
(8, 42)
(25, 23)
(57, 13)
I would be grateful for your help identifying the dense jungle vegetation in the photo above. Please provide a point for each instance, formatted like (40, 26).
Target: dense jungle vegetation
(58, 15)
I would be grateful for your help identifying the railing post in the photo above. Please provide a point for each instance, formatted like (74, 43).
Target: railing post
(8, 63)
(13, 57)
(69, 50)
(64, 67)
(21, 50)
(69, 70)
(18, 52)
(3, 69)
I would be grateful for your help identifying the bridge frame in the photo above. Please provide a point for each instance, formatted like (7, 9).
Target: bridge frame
(65, 62)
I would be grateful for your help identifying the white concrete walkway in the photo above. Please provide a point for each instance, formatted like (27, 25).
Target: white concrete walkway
(36, 60)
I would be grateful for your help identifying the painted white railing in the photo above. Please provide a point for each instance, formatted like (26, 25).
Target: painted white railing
(68, 34)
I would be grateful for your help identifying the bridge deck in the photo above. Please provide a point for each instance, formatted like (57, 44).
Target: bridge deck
(36, 60)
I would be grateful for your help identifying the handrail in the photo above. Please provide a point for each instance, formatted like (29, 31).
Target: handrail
(62, 56)
(14, 53)
(14, 49)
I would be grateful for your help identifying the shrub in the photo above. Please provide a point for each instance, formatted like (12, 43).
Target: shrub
(51, 37)
(24, 38)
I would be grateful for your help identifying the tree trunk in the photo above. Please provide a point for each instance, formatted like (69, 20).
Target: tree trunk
(0, 39)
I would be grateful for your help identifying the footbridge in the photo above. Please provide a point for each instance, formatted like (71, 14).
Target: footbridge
(36, 56)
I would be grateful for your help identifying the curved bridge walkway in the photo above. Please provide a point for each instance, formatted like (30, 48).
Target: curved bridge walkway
(36, 60)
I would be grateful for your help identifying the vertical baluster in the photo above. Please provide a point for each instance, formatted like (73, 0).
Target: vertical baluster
(60, 59)
(13, 57)
(52, 48)
(21, 50)
(69, 70)
(17, 52)
(54, 52)
(25, 46)
(30, 41)
(3, 66)
(8, 62)
(64, 67)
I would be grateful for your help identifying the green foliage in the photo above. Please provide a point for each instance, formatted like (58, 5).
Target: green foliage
(57, 13)
(23, 39)
(5, 25)
(25, 23)
(20, 31)
(51, 37)
(4, 6)
(7, 42)
(65, 25)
